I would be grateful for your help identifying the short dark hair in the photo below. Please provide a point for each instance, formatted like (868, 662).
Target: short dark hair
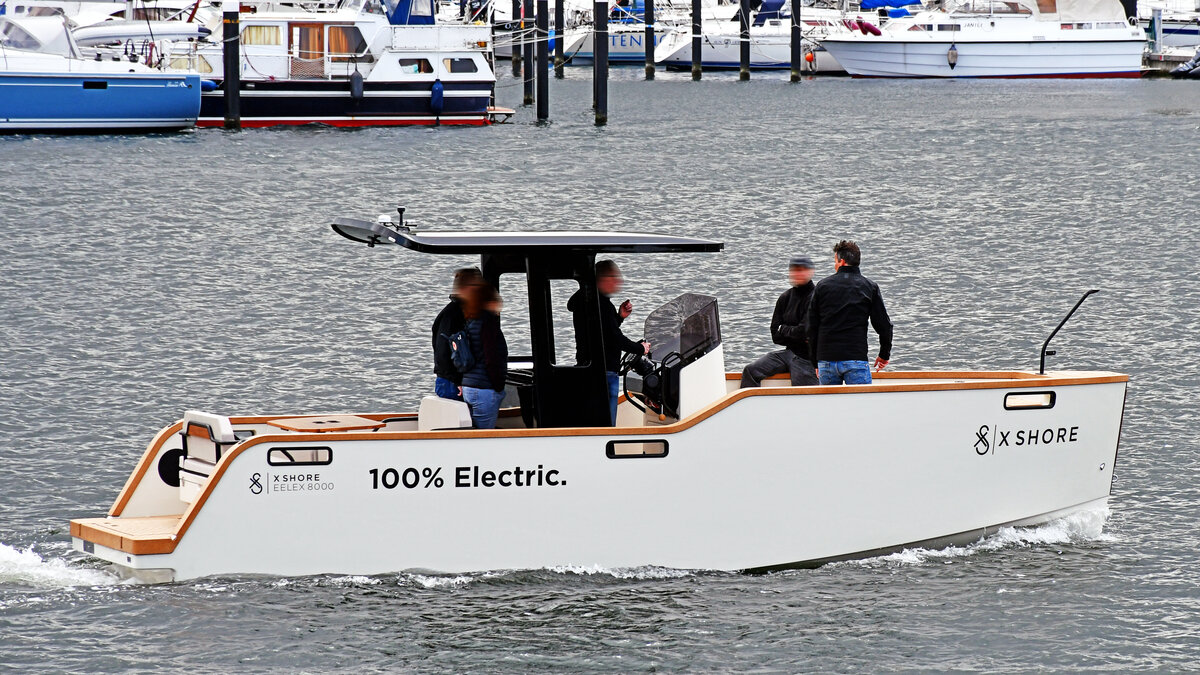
(606, 268)
(847, 251)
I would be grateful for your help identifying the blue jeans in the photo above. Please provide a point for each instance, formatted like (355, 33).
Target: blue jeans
(485, 406)
(446, 389)
(844, 372)
(614, 392)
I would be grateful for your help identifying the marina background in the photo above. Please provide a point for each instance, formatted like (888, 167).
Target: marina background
(147, 275)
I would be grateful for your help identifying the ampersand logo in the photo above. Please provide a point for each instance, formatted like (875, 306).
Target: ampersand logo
(981, 440)
(255, 486)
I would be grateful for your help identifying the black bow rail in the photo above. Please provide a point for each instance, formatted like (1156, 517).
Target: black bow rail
(1045, 353)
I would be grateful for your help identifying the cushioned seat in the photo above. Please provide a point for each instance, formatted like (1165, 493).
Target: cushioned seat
(443, 413)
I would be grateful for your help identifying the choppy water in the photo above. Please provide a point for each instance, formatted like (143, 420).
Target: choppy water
(145, 275)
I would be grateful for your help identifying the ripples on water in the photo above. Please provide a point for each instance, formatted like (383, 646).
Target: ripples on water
(146, 275)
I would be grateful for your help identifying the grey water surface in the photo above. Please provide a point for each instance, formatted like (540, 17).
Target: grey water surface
(145, 275)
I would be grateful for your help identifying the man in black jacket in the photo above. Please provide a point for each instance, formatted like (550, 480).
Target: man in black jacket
(838, 313)
(609, 282)
(789, 331)
(448, 381)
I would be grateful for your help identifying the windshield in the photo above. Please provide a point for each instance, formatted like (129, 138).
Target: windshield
(688, 325)
(12, 35)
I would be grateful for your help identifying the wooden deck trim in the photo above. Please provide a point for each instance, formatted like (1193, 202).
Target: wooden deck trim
(984, 381)
(96, 530)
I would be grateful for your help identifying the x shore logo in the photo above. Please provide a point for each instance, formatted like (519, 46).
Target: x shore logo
(990, 437)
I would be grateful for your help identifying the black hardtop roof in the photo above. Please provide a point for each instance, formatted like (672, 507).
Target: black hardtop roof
(523, 243)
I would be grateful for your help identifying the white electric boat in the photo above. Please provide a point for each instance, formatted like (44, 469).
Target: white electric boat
(994, 38)
(698, 474)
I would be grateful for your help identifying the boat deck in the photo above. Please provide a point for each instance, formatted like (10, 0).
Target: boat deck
(137, 535)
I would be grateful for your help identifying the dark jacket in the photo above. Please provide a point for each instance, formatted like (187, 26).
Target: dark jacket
(837, 318)
(448, 322)
(788, 322)
(615, 341)
(490, 351)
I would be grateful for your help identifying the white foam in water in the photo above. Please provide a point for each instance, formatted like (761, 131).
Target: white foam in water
(647, 572)
(1081, 526)
(27, 567)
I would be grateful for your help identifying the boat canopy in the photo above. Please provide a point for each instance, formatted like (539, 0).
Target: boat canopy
(410, 12)
(558, 394)
(1049, 10)
(880, 4)
(45, 34)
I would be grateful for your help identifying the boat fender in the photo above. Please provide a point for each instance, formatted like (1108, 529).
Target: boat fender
(868, 28)
(436, 97)
(208, 85)
(356, 86)
(851, 24)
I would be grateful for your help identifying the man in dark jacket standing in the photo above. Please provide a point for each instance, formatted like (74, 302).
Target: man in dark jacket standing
(448, 381)
(838, 313)
(609, 282)
(788, 330)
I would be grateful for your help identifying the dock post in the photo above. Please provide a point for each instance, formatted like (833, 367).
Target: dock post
(744, 40)
(1156, 31)
(543, 60)
(514, 37)
(649, 41)
(797, 43)
(559, 59)
(600, 52)
(528, 56)
(231, 46)
(696, 46)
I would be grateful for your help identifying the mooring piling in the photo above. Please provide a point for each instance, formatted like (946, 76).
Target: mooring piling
(515, 24)
(649, 41)
(543, 60)
(797, 44)
(696, 46)
(600, 61)
(233, 69)
(528, 55)
(559, 59)
(744, 40)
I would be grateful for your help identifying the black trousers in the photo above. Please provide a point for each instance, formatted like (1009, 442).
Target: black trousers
(782, 361)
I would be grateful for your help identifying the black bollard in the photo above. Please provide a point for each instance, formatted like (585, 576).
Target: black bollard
(649, 43)
(543, 60)
(233, 70)
(559, 59)
(514, 37)
(744, 40)
(526, 24)
(600, 69)
(797, 44)
(696, 46)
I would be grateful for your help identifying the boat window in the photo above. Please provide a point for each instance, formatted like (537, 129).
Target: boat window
(345, 42)
(639, 448)
(262, 35)
(415, 66)
(563, 322)
(1029, 400)
(949, 27)
(514, 316)
(46, 11)
(12, 35)
(299, 456)
(460, 65)
(421, 8)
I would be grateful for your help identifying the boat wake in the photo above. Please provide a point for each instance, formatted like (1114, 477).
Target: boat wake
(1079, 527)
(28, 568)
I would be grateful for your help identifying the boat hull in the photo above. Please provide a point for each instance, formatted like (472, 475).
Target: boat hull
(762, 479)
(330, 102)
(865, 57)
(97, 101)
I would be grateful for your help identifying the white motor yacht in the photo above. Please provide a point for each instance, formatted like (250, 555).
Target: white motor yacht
(993, 38)
(697, 473)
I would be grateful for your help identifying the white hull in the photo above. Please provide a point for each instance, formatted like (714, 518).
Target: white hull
(924, 45)
(762, 478)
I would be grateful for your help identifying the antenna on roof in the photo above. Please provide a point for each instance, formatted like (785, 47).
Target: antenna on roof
(400, 223)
